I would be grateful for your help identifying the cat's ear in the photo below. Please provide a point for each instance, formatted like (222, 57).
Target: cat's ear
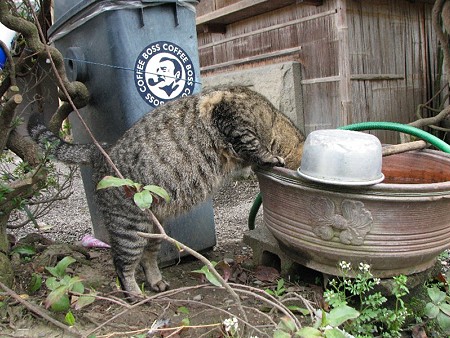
(208, 102)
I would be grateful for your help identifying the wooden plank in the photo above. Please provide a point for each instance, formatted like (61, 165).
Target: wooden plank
(245, 9)
(277, 53)
(345, 116)
(376, 77)
(321, 80)
(270, 28)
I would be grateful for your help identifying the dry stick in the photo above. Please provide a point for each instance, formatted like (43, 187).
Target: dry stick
(228, 313)
(403, 147)
(37, 310)
(160, 297)
(197, 255)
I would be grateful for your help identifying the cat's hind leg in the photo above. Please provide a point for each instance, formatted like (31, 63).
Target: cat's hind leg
(149, 263)
(126, 254)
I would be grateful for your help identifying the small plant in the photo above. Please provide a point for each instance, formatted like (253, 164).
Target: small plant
(142, 195)
(374, 317)
(279, 290)
(62, 287)
(439, 308)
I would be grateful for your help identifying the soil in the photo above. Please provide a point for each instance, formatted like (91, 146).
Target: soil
(191, 300)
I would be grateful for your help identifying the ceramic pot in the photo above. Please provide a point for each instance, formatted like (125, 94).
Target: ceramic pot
(399, 226)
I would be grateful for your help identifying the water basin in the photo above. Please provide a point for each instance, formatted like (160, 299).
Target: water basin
(398, 226)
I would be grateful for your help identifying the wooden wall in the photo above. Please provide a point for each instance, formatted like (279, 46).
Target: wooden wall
(371, 60)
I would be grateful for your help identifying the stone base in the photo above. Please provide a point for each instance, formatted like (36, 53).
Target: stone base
(267, 252)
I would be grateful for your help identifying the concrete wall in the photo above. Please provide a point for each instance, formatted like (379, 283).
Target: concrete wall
(280, 83)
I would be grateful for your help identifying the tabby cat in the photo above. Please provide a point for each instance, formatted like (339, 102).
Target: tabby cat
(187, 146)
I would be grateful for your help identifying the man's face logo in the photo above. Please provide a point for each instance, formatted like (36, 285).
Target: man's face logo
(164, 72)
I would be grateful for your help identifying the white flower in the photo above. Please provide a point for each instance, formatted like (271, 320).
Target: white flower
(345, 266)
(377, 281)
(363, 267)
(231, 324)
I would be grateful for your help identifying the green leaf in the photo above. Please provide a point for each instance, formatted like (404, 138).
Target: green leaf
(444, 322)
(35, 283)
(334, 333)
(445, 307)
(308, 332)
(111, 181)
(143, 199)
(183, 310)
(431, 310)
(281, 334)
(77, 286)
(286, 324)
(60, 305)
(60, 269)
(83, 301)
(341, 314)
(158, 191)
(302, 310)
(52, 283)
(55, 296)
(436, 295)
(70, 319)
(185, 322)
(209, 275)
(24, 250)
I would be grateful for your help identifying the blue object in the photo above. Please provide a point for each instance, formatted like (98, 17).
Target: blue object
(2, 58)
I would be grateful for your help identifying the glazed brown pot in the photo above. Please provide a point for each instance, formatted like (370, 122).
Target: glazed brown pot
(399, 226)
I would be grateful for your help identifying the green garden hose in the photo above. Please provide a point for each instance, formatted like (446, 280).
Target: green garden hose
(403, 128)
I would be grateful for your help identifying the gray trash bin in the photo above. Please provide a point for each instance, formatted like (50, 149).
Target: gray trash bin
(116, 48)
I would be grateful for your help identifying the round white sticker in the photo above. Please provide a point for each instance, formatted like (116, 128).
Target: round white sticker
(163, 72)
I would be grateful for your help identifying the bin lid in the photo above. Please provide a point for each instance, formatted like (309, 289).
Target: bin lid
(70, 16)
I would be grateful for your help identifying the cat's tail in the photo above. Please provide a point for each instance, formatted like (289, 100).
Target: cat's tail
(63, 151)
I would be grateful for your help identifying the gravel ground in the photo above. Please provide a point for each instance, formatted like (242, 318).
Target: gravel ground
(69, 220)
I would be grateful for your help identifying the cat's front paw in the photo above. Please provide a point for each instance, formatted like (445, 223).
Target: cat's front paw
(278, 161)
(160, 286)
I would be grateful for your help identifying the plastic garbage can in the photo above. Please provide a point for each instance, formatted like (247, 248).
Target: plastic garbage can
(114, 47)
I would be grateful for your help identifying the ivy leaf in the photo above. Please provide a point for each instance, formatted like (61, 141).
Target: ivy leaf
(444, 322)
(341, 314)
(445, 307)
(143, 199)
(158, 191)
(431, 310)
(111, 181)
(436, 295)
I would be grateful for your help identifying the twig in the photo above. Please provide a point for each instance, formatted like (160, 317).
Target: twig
(39, 311)
(197, 255)
(403, 147)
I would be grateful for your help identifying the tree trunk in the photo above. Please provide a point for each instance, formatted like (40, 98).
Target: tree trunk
(6, 270)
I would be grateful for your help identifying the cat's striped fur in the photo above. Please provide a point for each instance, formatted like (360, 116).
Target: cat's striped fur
(187, 147)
